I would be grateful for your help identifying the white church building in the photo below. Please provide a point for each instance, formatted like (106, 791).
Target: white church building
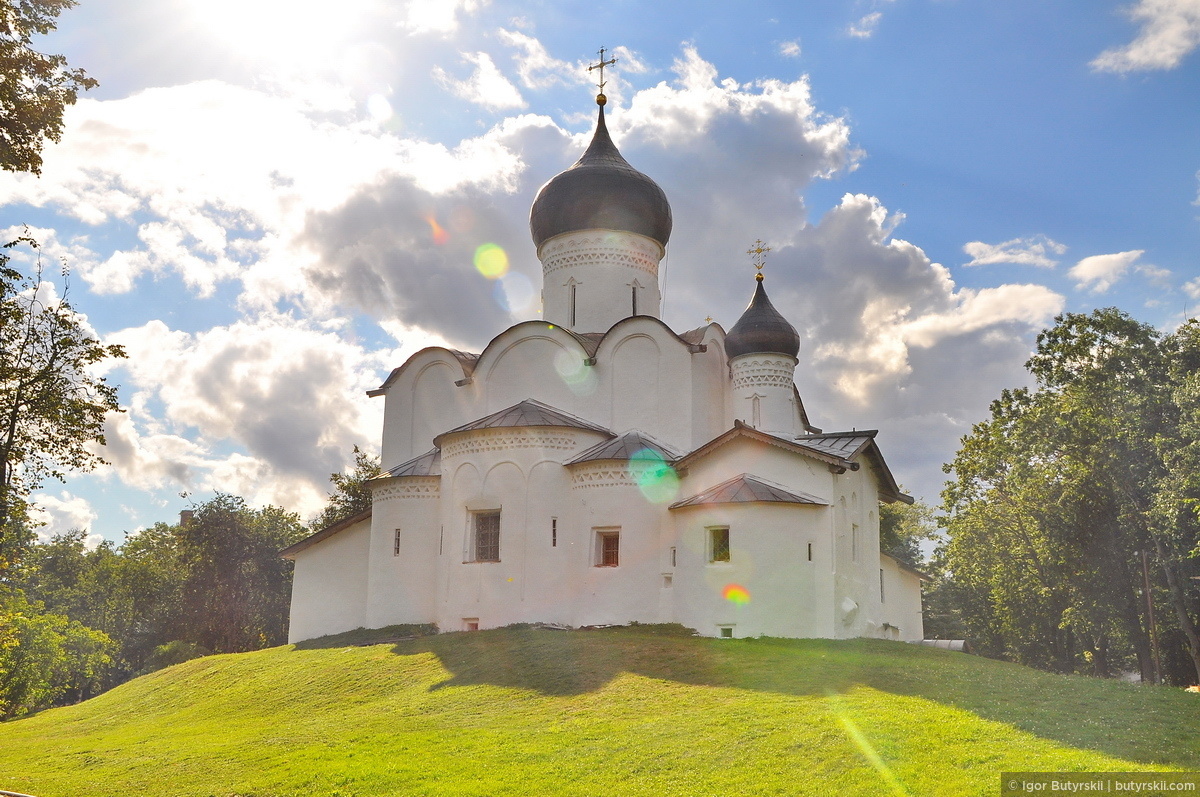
(596, 467)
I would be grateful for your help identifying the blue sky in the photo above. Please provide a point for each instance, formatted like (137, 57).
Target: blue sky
(248, 203)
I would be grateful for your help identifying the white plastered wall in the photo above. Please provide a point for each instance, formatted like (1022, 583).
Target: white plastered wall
(329, 584)
(403, 583)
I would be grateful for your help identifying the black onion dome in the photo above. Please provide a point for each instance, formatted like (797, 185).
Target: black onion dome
(761, 330)
(600, 191)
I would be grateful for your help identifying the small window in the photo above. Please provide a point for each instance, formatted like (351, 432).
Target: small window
(881, 598)
(810, 552)
(396, 544)
(667, 580)
(470, 623)
(718, 545)
(553, 532)
(854, 542)
(673, 556)
(608, 547)
(487, 537)
(725, 631)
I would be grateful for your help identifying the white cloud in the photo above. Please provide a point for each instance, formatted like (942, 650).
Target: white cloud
(437, 16)
(790, 49)
(1033, 251)
(485, 86)
(62, 513)
(1192, 288)
(865, 27)
(1170, 31)
(288, 394)
(1101, 272)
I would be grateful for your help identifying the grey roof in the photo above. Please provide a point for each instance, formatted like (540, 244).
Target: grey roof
(846, 445)
(625, 447)
(428, 464)
(526, 413)
(762, 329)
(745, 489)
(600, 191)
(325, 533)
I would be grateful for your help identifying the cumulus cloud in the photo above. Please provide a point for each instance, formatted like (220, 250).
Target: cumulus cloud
(790, 49)
(1033, 251)
(1192, 288)
(1100, 272)
(62, 513)
(485, 86)
(1170, 31)
(288, 394)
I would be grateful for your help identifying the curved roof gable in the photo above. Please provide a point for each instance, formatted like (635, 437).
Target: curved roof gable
(465, 359)
(526, 413)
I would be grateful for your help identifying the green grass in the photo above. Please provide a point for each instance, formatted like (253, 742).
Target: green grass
(637, 711)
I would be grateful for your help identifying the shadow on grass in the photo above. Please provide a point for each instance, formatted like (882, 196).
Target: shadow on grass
(1151, 725)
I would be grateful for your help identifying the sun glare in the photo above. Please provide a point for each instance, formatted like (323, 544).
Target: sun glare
(280, 33)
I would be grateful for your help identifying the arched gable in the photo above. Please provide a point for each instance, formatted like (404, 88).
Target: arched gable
(537, 360)
(422, 399)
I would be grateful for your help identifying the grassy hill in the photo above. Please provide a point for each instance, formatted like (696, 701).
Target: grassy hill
(637, 711)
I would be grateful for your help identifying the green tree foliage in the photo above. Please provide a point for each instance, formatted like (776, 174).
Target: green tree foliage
(236, 589)
(351, 494)
(1053, 500)
(902, 529)
(46, 659)
(35, 87)
(52, 407)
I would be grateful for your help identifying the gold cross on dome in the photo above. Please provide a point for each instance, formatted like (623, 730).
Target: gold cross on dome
(758, 254)
(600, 85)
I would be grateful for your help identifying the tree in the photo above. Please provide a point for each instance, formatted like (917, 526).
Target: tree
(52, 407)
(35, 87)
(351, 494)
(236, 588)
(1053, 502)
(46, 659)
(902, 529)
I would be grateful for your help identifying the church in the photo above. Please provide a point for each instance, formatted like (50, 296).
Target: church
(595, 467)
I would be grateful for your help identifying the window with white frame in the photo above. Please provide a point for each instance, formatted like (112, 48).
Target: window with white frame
(486, 536)
(718, 544)
(608, 547)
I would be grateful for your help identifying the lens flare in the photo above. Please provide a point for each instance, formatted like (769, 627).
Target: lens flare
(491, 261)
(654, 476)
(860, 740)
(440, 236)
(515, 293)
(736, 593)
(379, 108)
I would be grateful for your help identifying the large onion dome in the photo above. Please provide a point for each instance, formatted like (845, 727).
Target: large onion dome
(762, 330)
(601, 191)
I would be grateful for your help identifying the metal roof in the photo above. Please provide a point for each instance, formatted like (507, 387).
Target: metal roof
(846, 445)
(325, 533)
(600, 191)
(526, 413)
(746, 489)
(625, 447)
(428, 464)
(762, 329)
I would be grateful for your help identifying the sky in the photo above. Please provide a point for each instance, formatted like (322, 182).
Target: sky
(272, 203)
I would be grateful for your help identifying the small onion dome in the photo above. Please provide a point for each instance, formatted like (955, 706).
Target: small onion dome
(601, 191)
(762, 330)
